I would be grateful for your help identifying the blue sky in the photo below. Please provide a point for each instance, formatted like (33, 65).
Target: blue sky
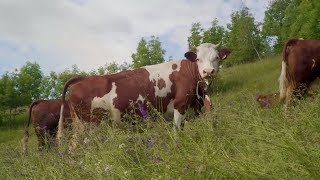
(57, 34)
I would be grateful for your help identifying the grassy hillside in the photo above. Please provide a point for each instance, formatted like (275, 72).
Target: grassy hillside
(238, 139)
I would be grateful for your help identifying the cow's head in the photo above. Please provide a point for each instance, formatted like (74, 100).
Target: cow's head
(207, 58)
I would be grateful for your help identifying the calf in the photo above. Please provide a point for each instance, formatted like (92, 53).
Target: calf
(267, 100)
(300, 67)
(170, 88)
(45, 117)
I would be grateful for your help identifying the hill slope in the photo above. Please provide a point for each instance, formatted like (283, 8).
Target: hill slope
(238, 139)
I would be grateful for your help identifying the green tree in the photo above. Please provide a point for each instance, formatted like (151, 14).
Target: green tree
(155, 51)
(101, 70)
(195, 37)
(112, 67)
(28, 80)
(141, 58)
(52, 85)
(9, 96)
(148, 53)
(301, 20)
(244, 38)
(214, 34)
(8, 91)
(273, 22)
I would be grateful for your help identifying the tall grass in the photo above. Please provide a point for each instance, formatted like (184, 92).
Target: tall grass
(238, 139)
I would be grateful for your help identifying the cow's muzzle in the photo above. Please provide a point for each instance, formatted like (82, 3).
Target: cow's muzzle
(208, 72)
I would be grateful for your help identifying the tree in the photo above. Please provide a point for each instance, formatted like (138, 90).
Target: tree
(155, 51)
(195, 38)
(273, 22)
(8, 91)
(52, 85)
(141, 58)
(301, 20)
(214, 34)
(148, 53)
(112, 67)
(9, 95)
(244, 38)
(27, 82)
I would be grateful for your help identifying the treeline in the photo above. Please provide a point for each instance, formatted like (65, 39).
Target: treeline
(248, 40)
(19, 88)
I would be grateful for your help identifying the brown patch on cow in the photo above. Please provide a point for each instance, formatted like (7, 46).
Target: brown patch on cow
(174, 66)
(185, 82)
(267, 100)
(161, 83)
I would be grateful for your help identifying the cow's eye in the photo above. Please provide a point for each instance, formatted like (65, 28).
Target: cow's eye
(217, 57)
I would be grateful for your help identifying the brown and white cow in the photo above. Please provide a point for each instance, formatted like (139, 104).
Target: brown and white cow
(45, 118)
(170, 88)
(300, 67)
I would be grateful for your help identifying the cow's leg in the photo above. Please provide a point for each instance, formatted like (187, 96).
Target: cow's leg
(51, 138)
(40, 132)
(179, 113)
(178, 120)
(116, 116)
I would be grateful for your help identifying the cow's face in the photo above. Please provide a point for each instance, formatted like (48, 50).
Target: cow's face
(207, 58)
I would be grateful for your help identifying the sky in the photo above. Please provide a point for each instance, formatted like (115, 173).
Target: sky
(90, 33)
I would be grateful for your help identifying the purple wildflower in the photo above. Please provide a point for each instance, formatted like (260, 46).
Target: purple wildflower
(144, 113)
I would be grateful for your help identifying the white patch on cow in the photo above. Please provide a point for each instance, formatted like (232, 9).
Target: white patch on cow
(140, 98)
(105, 102)
(162, 71)
(178, 119)
(208, 58)
(283, 82)
(313, 64)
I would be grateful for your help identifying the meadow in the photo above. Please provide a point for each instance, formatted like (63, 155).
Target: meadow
(237, 140)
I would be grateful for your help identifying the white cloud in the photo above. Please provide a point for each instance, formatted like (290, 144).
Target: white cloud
(90, 32)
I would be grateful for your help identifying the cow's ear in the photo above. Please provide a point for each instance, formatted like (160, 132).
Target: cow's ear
(224, 53)
(191, 56)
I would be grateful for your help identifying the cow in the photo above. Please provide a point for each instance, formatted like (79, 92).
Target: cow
(300, 67)
(169, 87)
(45, 118)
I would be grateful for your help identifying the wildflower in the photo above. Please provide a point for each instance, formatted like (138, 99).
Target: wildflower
(144, 113)
(86, 140)
(107, 169)
(122, 145)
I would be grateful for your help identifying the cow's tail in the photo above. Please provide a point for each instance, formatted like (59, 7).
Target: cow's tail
(286, 79)
(25, 137)
(64, 91)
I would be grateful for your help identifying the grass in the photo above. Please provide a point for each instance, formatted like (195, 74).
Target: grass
(237, 140)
